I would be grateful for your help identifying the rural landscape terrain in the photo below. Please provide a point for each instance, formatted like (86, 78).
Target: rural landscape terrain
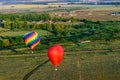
(89, 34)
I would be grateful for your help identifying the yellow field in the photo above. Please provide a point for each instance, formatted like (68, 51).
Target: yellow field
(23, 6)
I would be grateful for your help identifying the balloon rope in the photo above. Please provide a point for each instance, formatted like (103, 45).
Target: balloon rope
(55, 74)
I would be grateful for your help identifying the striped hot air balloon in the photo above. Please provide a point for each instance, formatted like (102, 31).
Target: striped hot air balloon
(32, 39)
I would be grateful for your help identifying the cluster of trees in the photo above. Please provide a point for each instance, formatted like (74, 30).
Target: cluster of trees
(56, 27)
(9, 41)
(22, 21)
(30, 20)
(34, 17)
(7, 23)
(99, 30)
(26, 17)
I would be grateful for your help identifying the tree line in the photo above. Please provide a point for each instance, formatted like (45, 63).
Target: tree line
(26, 17)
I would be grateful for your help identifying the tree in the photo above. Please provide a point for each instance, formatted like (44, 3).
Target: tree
(26, 25)
(1, 44)
(49, 27)
(57, 28)
(5, 42)
(15, 24)
(7, 24)
(73, 19)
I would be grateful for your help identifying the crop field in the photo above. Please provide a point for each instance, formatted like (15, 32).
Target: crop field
(22, 6)
(99, 14)
(30, 6)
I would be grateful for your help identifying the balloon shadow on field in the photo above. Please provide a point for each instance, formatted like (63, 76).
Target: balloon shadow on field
(34, 70)
(12, 49)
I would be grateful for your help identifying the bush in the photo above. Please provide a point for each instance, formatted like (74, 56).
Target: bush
(6, 42)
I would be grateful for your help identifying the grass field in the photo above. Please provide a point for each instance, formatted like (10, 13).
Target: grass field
(90, 61)
(74, 66)
(22, 33)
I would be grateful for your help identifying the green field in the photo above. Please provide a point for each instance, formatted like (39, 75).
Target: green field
(22, 33)
(74, 66)
(89, 61)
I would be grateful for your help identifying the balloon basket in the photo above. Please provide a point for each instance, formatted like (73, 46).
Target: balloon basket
(56, 69)
(32, 52)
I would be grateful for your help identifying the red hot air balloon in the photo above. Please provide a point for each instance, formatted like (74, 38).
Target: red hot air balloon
(55, 54)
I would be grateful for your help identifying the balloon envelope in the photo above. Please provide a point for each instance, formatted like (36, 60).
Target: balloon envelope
(55, 54)
(32, 39)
